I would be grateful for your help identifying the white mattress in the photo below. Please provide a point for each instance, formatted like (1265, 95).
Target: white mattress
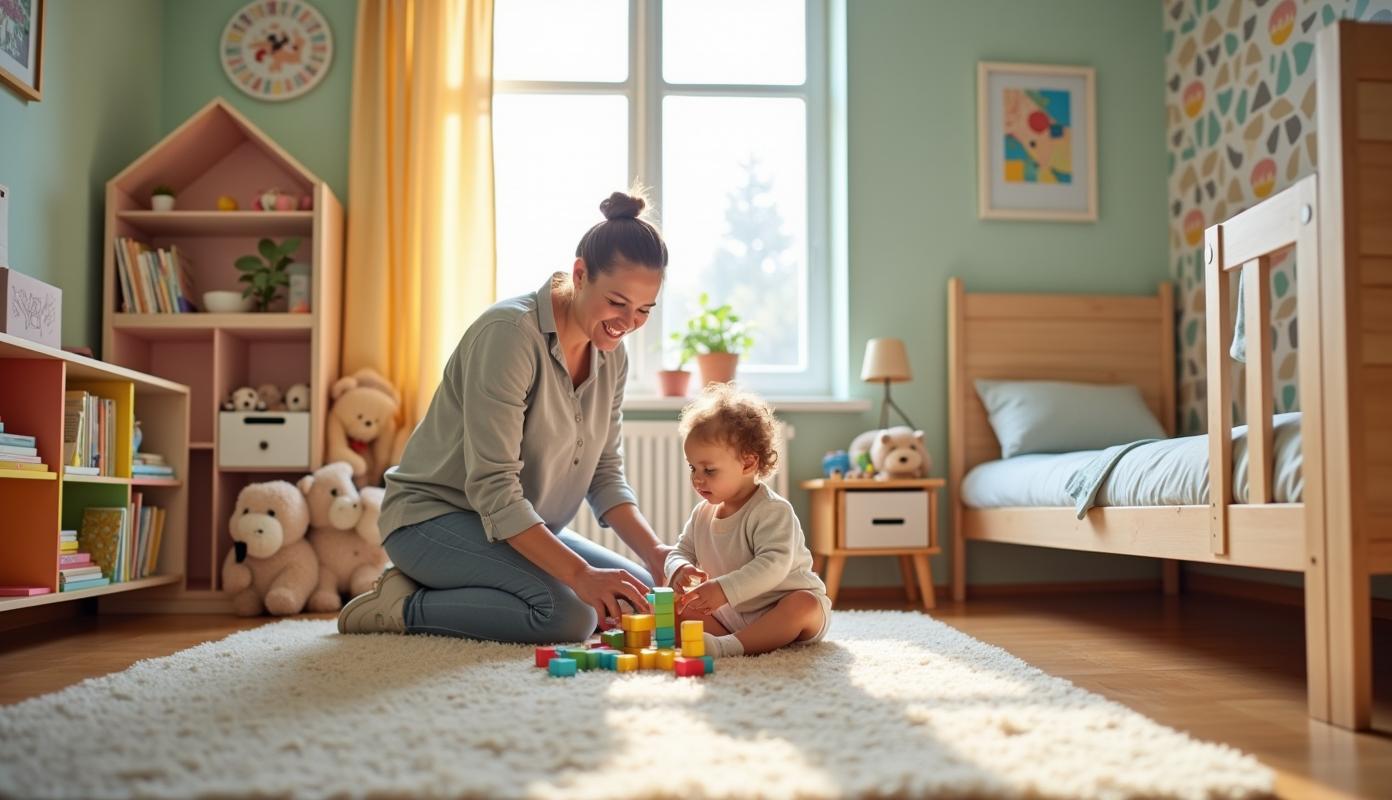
(1172, 472)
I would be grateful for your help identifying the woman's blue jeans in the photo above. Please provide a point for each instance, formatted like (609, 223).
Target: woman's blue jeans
(478, 589)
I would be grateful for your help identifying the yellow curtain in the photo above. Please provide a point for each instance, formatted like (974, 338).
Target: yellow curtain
(420, 250)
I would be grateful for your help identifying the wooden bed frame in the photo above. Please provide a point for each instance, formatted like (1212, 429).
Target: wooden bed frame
(1340, 224)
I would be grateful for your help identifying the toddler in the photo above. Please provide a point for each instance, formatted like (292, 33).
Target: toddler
(741, 565)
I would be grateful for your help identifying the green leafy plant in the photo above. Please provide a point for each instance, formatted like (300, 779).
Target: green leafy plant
(264, 275)
(715, 329)
(162, 189)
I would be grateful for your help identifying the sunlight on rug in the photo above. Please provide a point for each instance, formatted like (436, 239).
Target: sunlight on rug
(893, 703)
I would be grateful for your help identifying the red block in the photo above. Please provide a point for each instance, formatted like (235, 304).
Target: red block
(689, 667)
(544, 656)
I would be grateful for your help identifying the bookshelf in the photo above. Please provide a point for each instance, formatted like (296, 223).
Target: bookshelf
(217, 151)
(33, 380)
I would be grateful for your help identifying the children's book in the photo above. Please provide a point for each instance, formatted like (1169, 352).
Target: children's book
(66, 560)
(22, 591)
(77, 586)
(16, 440)
(12, 450)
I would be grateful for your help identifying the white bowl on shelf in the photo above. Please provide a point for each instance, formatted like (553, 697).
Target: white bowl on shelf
(226, 302)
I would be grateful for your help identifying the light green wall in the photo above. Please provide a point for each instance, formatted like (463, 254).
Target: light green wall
(312, 127)
(913, 224)
(100, 109)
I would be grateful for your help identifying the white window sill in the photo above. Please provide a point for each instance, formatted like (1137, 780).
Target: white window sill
(780, 404)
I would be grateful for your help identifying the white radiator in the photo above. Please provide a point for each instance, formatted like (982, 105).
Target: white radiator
(656, 469)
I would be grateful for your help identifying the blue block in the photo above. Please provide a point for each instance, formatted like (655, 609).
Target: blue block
(608, 659)
(710, 663)
(561, 667)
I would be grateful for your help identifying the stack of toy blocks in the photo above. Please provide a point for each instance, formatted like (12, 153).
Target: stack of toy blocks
(643, 641)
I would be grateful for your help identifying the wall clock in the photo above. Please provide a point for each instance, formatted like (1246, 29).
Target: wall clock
(276, 49)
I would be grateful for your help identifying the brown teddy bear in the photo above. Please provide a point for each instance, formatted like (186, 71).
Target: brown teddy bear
(362, 425)
(343, 532)
(271, 567)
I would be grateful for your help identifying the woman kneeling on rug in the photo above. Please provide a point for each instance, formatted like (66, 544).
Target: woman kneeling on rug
(524, 426)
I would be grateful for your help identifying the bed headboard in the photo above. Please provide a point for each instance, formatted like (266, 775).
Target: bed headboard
(1061, 337)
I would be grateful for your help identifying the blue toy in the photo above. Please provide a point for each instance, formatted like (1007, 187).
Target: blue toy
(836, 464)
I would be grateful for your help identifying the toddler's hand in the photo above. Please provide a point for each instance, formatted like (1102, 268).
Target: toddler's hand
(687, 578)
(704, 599)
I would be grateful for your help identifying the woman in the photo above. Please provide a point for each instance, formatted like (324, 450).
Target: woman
(525, 424)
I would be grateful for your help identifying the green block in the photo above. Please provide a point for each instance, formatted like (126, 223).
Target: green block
(614, 639)
(663, 596)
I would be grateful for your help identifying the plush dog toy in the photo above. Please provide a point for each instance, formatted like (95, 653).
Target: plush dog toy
(271, 567)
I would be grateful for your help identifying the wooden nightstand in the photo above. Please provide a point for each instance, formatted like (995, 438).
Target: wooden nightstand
(876, 518)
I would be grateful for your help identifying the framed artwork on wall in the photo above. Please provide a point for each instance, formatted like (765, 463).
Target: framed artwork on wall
(21, 46)
(1036, 142)
(275, 50)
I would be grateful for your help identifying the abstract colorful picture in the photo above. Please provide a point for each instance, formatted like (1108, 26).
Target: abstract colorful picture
(1036, 142)
(21, 45)
(1038, 136)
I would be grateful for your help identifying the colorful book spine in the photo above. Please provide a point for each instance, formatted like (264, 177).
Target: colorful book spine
(23, 591)
(77, 586)
(78, 559)
(17, 440)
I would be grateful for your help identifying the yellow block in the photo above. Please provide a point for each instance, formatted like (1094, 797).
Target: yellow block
(638, 622)
(633, 651)
(692, 629)
(647, 659)
(693, 648)
(639, 639)
(626, 662)
(666, 659)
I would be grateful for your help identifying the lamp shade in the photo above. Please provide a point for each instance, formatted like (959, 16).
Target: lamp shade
(885, 360)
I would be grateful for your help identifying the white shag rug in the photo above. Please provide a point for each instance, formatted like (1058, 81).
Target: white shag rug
(892, 704)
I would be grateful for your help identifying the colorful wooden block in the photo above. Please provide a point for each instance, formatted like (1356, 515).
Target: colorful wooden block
(689, 667)
(638, 622)
(633, 651)
(639, 639)
(693, 648)
(647, 659)
(544, 655)
(692, 629)
(586, 660)
(710, 664)
(613, 639)
(562, 667)
(627, 663)
(650, 598)
(664, 595)
(608, 659)
(665, 658)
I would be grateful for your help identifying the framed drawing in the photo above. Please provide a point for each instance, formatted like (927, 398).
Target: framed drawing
(1036, 142)
(21, 46)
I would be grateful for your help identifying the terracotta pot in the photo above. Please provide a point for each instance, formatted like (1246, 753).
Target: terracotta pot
(673, 382)
(717, 367)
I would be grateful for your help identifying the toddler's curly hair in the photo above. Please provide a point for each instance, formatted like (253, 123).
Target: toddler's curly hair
(738, 419)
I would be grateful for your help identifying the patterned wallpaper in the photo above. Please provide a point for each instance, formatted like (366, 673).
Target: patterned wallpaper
(1240, 125)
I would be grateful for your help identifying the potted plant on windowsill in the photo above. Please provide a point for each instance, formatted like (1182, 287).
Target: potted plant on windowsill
(715, 337)
(674, 382)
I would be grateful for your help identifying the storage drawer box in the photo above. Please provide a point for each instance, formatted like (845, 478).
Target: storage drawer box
(886, 519)
(32, 309)
(263, 439)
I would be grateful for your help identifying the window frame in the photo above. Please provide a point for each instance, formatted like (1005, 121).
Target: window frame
(645, 88)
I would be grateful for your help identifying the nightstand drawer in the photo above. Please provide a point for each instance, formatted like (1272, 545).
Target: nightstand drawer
(886, 519)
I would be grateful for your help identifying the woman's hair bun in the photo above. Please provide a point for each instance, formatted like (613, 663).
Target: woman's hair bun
(622, 206)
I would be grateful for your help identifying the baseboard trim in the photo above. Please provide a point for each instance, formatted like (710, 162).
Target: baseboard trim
(896, 593)
(1225, 586)
(45, 614)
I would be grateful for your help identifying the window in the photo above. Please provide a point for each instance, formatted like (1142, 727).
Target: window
(718, 107)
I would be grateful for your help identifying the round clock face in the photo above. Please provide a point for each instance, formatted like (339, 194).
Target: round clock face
(276, 49)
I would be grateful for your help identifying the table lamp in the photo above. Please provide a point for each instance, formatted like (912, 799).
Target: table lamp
(886, 360)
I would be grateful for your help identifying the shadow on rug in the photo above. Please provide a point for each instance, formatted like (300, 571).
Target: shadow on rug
(893, 703)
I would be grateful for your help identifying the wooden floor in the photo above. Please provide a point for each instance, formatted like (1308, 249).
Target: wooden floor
(1222, 669)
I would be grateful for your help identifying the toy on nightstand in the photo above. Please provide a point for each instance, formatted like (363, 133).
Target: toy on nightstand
(641, 642)
(244, 398)
(836, 464)
(890, 453)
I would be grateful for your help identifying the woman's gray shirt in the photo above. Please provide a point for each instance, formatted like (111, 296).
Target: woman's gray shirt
(508, 436)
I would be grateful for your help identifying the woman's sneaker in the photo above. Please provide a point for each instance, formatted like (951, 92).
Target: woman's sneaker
(382, 610)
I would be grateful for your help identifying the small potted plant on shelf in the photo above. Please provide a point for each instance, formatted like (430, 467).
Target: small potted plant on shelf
(716, 337)
(264, 275)
(162, 198)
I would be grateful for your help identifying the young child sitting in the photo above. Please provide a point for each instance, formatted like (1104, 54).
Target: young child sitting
(741, 565)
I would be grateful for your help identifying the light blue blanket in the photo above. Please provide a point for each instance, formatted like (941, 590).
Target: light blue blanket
(1088, 479)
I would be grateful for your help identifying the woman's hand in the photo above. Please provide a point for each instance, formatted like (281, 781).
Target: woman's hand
(656, 562)
(602, 589)
(704, 599)
(687, 577)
